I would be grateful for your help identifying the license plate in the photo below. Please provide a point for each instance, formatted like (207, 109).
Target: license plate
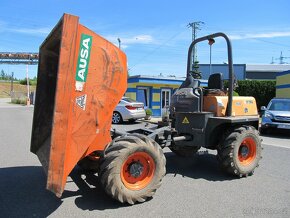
(283, 126)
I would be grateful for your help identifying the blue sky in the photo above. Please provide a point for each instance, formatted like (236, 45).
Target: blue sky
(154, 34)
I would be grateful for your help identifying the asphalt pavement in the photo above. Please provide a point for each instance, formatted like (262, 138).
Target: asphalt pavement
(192, 187)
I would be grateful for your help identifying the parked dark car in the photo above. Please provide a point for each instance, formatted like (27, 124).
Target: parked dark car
(276, 115)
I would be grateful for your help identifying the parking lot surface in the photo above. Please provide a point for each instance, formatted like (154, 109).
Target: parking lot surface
(192, 187)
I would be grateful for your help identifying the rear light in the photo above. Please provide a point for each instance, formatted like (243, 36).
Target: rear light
(129, 107)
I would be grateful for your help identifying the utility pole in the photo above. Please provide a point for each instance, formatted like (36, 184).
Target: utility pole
(281, 59)
(195, 26)
(12, 77)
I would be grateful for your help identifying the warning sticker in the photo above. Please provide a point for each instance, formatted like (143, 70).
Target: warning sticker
(81, 101)
(185, 121)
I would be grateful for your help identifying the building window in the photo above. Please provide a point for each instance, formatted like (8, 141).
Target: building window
(143, 95)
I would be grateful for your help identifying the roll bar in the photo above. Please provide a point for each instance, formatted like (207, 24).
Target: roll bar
(230, 64)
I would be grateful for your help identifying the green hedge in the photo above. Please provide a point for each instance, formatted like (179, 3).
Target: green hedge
(24, 82)
(262, 91)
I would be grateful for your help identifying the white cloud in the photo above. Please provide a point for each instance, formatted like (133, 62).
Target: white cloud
(127, 41)
(139, 39)
(259, 35)
(31, 31)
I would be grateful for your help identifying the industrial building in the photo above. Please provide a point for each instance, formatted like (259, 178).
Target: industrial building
(245, 71)
(265, 71)
(283, 84)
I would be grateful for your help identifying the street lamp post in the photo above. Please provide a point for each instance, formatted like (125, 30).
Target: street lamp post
(119, 41)
(27, 82)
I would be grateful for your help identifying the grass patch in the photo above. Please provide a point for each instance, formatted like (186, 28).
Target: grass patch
(19, 101)
(5, 88)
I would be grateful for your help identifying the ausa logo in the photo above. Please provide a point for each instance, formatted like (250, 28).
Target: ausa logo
(81, 101)
(83, 61)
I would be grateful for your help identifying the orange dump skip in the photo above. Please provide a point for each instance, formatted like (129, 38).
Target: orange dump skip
(81, 78)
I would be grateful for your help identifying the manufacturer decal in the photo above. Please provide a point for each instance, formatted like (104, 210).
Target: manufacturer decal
(81, 101)
(83, 61)
(185, 121)
(220, 103)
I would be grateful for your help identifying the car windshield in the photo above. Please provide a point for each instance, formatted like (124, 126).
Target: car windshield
(128, 100)
(280, 105)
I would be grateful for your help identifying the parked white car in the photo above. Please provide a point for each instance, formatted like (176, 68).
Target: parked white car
(128, 109)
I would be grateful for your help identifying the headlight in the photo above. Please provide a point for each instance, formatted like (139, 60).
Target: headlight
(268, 115)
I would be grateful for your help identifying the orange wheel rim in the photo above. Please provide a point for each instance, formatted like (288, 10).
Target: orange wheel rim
(138, 171)
(247, 151)
(93, 157)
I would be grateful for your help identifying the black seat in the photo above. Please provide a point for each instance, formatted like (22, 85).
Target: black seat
(215, 85)
(215, 81)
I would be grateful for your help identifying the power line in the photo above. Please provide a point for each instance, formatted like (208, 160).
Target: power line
(195, 26)
(156, 49)
(274, 43)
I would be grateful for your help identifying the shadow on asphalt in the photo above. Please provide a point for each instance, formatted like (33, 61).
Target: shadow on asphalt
(23, 193)
(279, 134)
(200, 166)
(90, 195)
(126, 123)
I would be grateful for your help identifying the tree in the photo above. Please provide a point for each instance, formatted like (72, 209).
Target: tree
(196, 74)
(2, 74)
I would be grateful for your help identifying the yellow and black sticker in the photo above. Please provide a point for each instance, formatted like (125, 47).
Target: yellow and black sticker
(185, 121)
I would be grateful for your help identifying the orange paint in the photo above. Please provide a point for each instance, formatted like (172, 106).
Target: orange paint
(246, 158)
(71, 122)
(147, 173)
(242, 106)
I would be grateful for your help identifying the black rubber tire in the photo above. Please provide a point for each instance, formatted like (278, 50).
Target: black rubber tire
(88, 164)
(117, 118)
(264, 131)
(228, 151)
(184, 151)
(132, 120)
(117, 154)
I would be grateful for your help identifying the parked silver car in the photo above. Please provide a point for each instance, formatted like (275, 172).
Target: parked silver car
(276, 115)
(128, 109)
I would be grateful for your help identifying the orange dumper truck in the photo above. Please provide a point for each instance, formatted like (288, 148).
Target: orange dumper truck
(81, 78)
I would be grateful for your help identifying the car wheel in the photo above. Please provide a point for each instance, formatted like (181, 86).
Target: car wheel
(132, 121)
(117, 118)
(263, 131)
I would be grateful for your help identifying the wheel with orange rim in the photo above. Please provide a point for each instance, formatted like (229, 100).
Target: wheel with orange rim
(240, 151)
(247, 151)
(132, 168)
(138, 171)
